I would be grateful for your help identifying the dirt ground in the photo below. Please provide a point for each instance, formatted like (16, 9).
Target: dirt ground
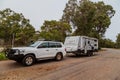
(104, 65)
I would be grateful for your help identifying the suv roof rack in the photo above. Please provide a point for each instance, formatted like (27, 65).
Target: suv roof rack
(47, 40)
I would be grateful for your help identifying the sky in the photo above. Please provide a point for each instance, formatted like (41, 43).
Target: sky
(39, 10)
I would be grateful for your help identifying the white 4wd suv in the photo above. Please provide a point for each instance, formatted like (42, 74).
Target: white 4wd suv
(37, 51)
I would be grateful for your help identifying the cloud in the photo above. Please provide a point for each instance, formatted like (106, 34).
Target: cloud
(39, 10)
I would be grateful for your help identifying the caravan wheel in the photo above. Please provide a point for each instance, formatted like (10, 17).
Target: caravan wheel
(77, 55)
(90, 53)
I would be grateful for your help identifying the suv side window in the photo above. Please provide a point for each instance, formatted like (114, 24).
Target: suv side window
(43, 45)
(58, 45)
(52, 45)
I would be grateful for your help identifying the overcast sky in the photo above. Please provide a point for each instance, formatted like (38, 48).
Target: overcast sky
(39, 10)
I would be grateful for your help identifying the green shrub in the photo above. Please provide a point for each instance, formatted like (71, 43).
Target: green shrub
(2, 56)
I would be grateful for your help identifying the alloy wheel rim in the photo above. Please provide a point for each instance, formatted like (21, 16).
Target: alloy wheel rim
(29, 60)
(59, 57)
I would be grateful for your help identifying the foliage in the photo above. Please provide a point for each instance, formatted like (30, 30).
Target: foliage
(118, 41)
(89, 18)
(15, 25)
(107, 43)
(36, 36)
(2, 56)
(55, 30)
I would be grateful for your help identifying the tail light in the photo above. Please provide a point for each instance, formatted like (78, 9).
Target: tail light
(65, 49)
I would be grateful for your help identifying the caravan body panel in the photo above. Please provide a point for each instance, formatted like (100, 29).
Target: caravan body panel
(80, 44)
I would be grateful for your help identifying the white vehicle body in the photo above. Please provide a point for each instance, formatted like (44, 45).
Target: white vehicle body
(40, 50)
(81, 44)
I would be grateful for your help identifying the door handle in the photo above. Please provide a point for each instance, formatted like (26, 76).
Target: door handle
(47, 50)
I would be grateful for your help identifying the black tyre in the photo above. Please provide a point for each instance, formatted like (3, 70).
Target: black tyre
(90, 53)
(28, 60)
(77, 55)
(59, 56)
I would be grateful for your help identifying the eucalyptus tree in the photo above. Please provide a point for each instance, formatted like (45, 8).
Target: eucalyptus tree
(15, 25)
(87, 17)
(55, 30)
(118, 41)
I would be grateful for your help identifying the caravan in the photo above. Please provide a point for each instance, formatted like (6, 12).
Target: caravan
(81, 45)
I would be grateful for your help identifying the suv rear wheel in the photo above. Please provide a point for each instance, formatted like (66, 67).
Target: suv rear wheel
(28, 60)
(59, 56)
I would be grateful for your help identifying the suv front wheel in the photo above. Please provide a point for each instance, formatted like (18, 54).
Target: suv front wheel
(28, 60)
(59, 56)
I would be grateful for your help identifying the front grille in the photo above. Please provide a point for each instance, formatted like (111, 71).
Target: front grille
(11, 51)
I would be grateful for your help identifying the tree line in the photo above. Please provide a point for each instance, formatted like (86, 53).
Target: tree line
(82, 17)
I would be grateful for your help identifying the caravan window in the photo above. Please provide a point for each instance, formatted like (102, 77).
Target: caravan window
(95, 45)
(95, 40)
(88, 42)
(71, 41)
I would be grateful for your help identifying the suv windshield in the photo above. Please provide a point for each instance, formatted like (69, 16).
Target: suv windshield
(35, 44)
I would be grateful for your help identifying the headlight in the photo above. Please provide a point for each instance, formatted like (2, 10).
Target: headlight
(17, 52)
(22, 51)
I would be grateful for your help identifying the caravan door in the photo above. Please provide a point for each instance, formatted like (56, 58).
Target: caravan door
(85, 44)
